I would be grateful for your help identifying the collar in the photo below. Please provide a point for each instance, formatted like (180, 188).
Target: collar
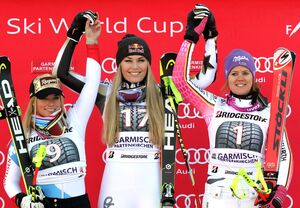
(243, 105)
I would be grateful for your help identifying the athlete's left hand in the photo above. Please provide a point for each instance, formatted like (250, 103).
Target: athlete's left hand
(275, 199)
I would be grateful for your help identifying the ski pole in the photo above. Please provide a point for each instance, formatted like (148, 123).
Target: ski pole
(37, 160)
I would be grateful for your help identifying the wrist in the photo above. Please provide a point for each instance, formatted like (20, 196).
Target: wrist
(91, 42)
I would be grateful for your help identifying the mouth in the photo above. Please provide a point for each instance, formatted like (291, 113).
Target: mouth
(134, 73)
(241, 85)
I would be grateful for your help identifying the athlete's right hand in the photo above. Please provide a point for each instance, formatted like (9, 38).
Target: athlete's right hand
(92, 31)
(28, 203)
(196, 22)
(78, 25)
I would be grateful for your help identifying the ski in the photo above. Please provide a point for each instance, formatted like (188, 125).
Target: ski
(283, 67)
(11, 111)
(167, 62)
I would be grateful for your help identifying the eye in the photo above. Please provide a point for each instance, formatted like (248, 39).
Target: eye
(142, 60)
(56, 97)
(246, 73)
(234, 74)
(128, 60)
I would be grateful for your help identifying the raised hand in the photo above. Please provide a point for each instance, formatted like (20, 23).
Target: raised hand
(79, 22)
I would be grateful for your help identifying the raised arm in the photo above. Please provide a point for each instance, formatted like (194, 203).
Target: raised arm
(200, 21)
(61, 67)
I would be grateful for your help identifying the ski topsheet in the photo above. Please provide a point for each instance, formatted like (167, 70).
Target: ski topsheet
(167, 62)
(283, 66)
(12, 114)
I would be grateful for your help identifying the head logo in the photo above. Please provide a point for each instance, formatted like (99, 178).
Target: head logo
(2, 66)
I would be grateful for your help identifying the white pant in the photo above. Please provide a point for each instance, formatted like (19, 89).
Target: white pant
(217, 196)
(130, 185)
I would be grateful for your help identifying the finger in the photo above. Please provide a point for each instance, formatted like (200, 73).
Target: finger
(89, 18)
(201, 7)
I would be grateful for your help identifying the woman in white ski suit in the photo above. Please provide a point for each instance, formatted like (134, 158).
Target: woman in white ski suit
(61, 176)
(237, 125)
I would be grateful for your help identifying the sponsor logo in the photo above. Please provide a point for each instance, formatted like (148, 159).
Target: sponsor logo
(43, 66)
(2, 202)
(65, 171)
(240, 58)
(184, 200)
(108, 202)
(186, 110)
(2, 156)
(237, 157)
(16, 127)
(134, 156)
(291, 30)
(135, 48)
(264, 64)
(195, 156)
(291, 201)
(222, 114)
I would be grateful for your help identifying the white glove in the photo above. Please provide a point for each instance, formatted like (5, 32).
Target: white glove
(27, 203)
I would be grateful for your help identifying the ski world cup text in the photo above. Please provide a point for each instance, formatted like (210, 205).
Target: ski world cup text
(43, 25)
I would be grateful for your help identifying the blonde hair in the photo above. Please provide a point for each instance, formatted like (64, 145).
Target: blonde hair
(31, 110)
(154, 105)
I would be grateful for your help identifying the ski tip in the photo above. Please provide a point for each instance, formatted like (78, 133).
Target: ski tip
(282, 57)
(4, 63)
(167, 62)
(168, 55)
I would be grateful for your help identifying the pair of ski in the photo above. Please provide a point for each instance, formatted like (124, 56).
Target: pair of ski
(11, 112)
(172, 98)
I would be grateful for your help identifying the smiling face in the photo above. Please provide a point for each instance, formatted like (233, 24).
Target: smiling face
(48, 105)
(134, 68)
(240, 80)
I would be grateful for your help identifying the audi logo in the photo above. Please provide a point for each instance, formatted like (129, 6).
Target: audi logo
(109, 65)
(2, 202)
(291, 201)
(187, 201)
(187, 111)
(195, 156)
(264, 64)
(2, 158)
(289, 111)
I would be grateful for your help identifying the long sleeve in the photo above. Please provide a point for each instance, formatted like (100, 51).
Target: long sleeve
(12, 173)
(73, 80)
(192, 89)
